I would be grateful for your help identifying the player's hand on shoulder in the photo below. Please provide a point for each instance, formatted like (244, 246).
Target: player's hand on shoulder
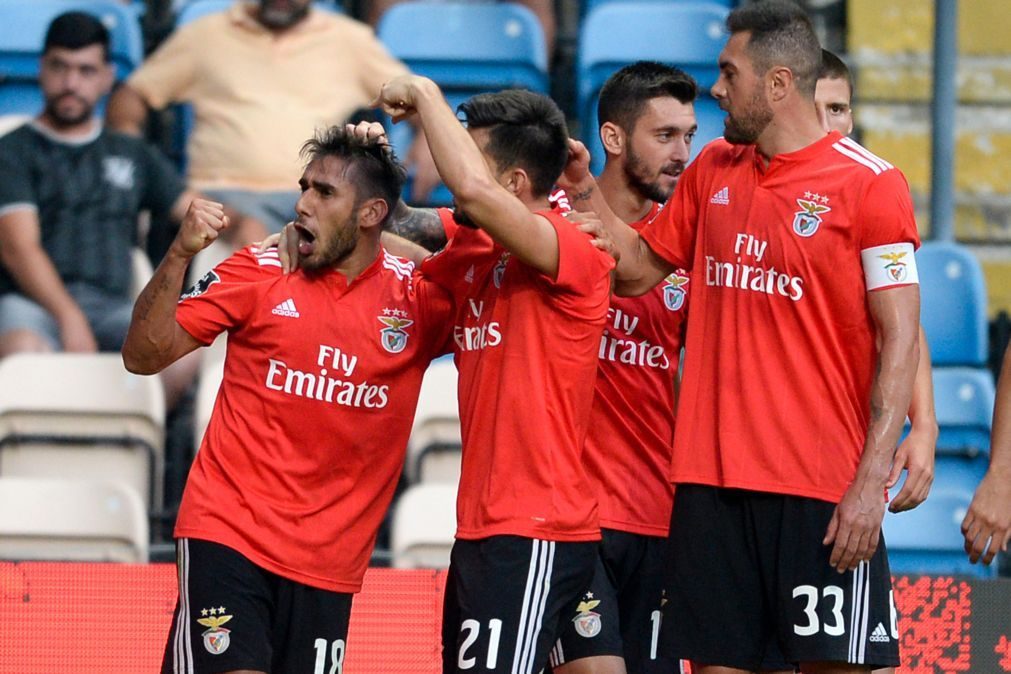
(591, 223)
(577, 168)
(201, 226)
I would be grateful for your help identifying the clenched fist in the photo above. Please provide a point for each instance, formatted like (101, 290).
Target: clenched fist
(201, 226)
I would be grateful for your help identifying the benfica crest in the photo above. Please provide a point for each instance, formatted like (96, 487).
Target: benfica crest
(674, 292)
(499, 271)
(808, 218)
(586, 621)
(896, 269)
(394, 337)
(216, 637)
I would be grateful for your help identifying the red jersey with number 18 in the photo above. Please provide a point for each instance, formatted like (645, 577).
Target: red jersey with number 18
(781, 351)
(307, 438)
(526, 348)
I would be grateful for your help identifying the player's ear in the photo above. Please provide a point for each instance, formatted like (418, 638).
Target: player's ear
(372, 212)
(612, 137)
(780, 81)
(517, 182)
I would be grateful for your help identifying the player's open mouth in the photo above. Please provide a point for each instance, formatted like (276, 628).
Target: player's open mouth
(305, 240)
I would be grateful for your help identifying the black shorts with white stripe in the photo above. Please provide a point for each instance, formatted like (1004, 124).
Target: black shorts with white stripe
(750, 586)
(505, 599)
(233, 615)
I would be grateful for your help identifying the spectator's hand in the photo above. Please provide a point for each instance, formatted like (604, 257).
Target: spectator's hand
(75, 332)
(396, 98)
(590, 223)
(578, 167)
(855, 528)
(987, 525)
(425, 177)
(201, 226)
(915, 455)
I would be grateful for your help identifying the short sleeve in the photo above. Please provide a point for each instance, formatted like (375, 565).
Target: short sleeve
(226, 296)
(167, 75)
(672, 233)
(437, 307)
(449, 225)
(886, 212)
(581, 266)
(16, 188)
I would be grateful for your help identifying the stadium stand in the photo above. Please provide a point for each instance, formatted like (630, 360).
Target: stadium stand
(467, 49)
(82, 416)
(953, 304)
(71, 519)
(616, 34)
(434, 445)
(424, 526)
(964, 400)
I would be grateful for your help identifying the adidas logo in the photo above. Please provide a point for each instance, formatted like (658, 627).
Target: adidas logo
(879, 634)
(286, 308)
(469, 276)
(722, 197)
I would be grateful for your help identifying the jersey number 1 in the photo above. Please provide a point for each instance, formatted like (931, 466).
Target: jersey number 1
(473, 629)
(336, 657)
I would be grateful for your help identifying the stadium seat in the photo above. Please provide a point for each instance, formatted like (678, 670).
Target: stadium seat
(928, 539)
(83, 416)
(588, 6)
(467, 48)
(689, 35)
(71, 519)
(142, 271)
(424, 526)
(212, 369)
(436, 429)
(964, 399)
(953, 304)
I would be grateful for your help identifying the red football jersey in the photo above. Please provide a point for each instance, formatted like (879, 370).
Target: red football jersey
(780, 351)
(526, 349)
(307, 438)
(628, 446)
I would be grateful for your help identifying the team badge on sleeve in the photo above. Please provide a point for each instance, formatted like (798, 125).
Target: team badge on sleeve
(216, 637)
(587, 622)
(674, 292)
(807, 220)
(394, 337)
(889, 265)
(201, 286)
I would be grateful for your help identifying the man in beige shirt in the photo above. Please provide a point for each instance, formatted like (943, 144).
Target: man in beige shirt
(261, 77)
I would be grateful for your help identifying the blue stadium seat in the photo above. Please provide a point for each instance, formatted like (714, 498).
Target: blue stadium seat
(689, 35)
(964, 399)
(587, 6)
(467, 49)
(953, 304)
(24, 28)
(928, 539)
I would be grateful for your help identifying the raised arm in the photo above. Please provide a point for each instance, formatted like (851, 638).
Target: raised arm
(155, 339)
(23, 256)
(639, 269)
(467, 175)
(855, 528)
(987, 525)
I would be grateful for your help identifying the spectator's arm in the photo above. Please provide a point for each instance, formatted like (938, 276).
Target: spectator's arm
(126, 111)
(987, 525)
(23, 256)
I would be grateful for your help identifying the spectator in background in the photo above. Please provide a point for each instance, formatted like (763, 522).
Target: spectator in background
(373, 10)
(833, 96)
(70, 196)
(261, 77)
(987, 525)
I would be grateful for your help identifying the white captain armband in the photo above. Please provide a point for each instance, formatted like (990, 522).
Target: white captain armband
(890, 265)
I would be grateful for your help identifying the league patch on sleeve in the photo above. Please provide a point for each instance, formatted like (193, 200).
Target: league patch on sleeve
(201, 286)
(890, 265)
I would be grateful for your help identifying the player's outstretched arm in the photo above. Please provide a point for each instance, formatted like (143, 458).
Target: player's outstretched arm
(638, 269)
(155, 340)
(916, 453)
(987, 525)
(465, 172)
(855, 528)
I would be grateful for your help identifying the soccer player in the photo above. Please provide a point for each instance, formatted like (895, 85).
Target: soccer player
(987, 525)
(801, 246)
(306, 442)
(647, 120)
(833, 97)
(532, 298)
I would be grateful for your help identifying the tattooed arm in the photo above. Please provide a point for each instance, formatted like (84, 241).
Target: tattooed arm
(422, 226)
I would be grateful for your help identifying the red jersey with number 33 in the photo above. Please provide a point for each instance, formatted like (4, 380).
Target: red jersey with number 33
(780, 351)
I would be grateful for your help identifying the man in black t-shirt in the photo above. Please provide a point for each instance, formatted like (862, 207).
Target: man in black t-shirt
(70, 196)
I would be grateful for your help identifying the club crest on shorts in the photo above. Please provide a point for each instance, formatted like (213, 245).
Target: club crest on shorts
(586, 621)
(394, 337)
(674, 292)
(807, 220)
(216, 637)
(499, 271)
(896, 269)
(201, 286)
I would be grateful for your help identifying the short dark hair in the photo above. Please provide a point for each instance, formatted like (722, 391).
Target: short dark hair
(833, 68)
(77, 30)
(624, 96)
(527, 130)
(781, 35)
(373, 168)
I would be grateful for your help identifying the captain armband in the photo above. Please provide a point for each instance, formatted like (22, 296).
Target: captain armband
(890, 265)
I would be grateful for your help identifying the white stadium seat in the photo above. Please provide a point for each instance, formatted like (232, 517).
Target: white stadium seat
(424, 525)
